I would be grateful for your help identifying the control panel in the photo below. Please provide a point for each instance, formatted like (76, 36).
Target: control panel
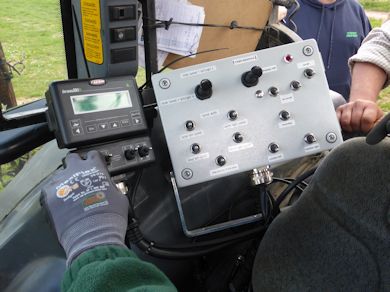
(124, 155)
(105, 33)
(243, 112)
(91, 111)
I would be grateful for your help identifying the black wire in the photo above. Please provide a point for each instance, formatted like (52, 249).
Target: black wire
(179, 59)
(167, 23)
(289, 181)
(293, 184)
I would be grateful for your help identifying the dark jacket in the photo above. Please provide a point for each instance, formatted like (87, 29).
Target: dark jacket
(339, 29)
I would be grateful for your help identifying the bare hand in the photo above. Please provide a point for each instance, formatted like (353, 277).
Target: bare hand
(359, 116)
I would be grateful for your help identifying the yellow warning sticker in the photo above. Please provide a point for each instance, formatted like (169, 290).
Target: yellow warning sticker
(90, 17)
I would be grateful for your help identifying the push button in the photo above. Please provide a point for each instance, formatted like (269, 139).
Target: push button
(122, 12)
(123, 55)
(123, 34)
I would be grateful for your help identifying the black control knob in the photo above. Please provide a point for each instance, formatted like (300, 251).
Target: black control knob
(284, 115)
(295, 85)
(143, 151)
(237, 137)
(220, 160)
(251, 78)
(273, 147)
(309, 73)
(195, 148)
(204, 89)
(310, 138)
(190, 125)
(232, 115)
(273, 91)
(130, 154)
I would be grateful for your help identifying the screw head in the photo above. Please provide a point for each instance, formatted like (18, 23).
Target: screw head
(165, 83)
(187, 173)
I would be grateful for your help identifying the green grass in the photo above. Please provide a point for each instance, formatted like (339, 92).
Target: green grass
(376, 5)
(33, 29)
(375, 22)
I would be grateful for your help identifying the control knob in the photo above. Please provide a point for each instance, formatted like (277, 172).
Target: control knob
(130, 154)
(204, 89)
(143, 151)
(309, 73)
(251, 78)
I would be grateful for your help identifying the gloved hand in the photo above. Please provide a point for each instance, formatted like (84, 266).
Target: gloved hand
(85, 207)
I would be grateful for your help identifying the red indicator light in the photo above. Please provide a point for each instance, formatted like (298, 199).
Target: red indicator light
(288, 58)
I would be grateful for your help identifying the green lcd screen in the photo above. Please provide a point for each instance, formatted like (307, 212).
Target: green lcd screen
(98, 102)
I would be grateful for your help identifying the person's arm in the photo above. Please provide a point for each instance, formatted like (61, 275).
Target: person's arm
(361, 112)
(370, 69)
(90, 216)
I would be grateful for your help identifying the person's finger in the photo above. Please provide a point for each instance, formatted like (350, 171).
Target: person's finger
(345, 118)
(369, 117)
(356, 116)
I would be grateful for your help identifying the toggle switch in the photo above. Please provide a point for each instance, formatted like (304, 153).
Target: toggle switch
(309, 73)
(190, 125)
(310, 138)
(273, 91)
(251, 78)
(295, 85)
(273, 147)
(220, 160)
(195, 148)
(232, 115)
(284, 115)
(237, 137)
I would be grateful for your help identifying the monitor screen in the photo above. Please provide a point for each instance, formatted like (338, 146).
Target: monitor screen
(98, 102)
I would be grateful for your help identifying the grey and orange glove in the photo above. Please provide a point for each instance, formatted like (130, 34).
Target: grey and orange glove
(84, 205)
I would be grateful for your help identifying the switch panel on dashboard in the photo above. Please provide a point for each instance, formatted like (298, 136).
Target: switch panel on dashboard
(235, 114)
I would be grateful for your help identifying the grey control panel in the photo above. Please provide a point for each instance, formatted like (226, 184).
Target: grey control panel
(235, 114)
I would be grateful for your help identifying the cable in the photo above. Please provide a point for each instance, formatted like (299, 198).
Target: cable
(167, 23)
(293, 184)
(289, 18)
(179, 59)
(288, 181)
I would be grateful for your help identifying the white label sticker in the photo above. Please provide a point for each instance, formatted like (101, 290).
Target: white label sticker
(306, 64)
(276, 157)
(286, 98)
(191, 135)
(240, 147)
(312, 147)
(270, 69)
(236, 124)
(224, 170)
(177, 99)
(209, 114)
(198, 157)
(286, 124)
(244, 60)
(198, 72)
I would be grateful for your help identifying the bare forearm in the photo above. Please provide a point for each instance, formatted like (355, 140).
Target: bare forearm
(367, 81)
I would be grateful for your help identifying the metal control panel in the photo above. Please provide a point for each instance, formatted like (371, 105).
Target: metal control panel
(91, 111)
(232, 115)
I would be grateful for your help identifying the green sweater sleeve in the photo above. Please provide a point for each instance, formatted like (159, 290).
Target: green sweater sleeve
(113, 268)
